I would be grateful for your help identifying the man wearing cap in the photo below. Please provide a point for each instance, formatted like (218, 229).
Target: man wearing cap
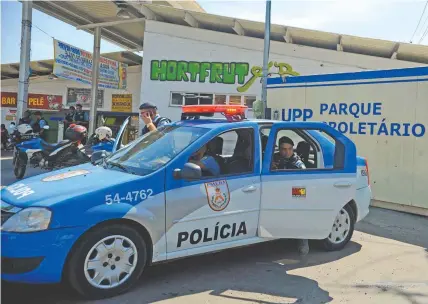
(80, 117)
(151, 118)
(287, 159)
(39, 124)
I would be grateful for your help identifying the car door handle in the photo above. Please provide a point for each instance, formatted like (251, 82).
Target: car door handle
(342, 184)
(249, 189)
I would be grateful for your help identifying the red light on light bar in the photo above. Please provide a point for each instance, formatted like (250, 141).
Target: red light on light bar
(226, 109)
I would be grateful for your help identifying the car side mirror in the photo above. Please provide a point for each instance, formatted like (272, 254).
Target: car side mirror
(46, 127)
(189, 172)
(97, 156)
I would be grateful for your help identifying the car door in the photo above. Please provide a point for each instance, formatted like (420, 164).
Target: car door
(119, 137)
(214, 212)
(303, 203)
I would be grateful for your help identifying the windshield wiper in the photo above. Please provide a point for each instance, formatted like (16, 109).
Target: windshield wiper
(112, 164)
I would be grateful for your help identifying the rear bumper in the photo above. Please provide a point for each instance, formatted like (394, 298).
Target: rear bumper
(362, 199)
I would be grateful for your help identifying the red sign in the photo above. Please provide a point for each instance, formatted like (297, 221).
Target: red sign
(8, 99)
(298, 192)
(35, 101)
(44, 102)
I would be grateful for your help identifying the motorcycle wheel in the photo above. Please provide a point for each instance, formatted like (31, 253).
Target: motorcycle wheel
(20, 168)
(15, 154)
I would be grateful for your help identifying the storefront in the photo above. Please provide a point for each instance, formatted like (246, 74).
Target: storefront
(209, 67)
(49, 106)
(53, 96)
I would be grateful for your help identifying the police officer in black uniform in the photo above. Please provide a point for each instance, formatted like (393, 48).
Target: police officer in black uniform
(287, 159)
(151, 118)
(80, 117)
(69, 118)
(26, 119)
(39, 124)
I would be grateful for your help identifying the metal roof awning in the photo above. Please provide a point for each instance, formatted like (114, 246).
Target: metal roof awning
(45, 67)
(129, 33)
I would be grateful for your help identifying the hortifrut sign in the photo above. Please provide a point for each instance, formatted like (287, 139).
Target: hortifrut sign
(215, 72)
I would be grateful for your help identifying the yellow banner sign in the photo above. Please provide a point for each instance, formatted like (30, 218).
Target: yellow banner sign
(121, 102)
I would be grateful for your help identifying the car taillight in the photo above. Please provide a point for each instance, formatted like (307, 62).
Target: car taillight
(367, 170)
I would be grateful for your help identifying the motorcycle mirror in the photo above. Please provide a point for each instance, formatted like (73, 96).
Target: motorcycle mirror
(97, 156)
(46, 127)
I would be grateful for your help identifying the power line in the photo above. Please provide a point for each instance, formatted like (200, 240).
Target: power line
(423, 35)
(420, 19)
(47, 33)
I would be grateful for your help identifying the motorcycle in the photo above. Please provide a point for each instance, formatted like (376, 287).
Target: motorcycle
(20, 134)
(39, 153)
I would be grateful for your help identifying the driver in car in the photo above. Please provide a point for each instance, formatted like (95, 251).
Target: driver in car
(207, 163)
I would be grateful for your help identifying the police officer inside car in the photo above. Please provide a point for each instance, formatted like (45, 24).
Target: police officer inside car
(151, 118)
(287, 159)
(207, 163)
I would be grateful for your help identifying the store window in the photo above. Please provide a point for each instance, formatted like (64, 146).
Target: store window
(220, 99)
(235, 100)
(249, 100)
(176, 99)
(189, 98)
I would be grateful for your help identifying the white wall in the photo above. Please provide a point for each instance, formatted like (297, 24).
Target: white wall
(164, 41)
(43, 85)
(397, 160)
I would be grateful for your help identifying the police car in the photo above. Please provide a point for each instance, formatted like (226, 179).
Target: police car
(98, 227)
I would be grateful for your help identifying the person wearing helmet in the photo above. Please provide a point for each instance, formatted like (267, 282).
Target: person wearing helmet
(103, 133)
(151, 118)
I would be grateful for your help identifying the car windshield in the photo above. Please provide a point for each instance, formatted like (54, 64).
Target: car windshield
(153, 150)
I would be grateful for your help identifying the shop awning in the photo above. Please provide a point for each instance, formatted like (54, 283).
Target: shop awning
(129, 33)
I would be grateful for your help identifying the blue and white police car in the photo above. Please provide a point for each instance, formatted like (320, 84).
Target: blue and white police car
(98, 227)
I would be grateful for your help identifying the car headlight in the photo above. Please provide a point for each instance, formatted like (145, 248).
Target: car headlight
(28, 220)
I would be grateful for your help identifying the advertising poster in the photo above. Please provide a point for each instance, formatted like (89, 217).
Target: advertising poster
(76, 64)
(121, 103)
(83, 96)
(35, 101)
(8, 99)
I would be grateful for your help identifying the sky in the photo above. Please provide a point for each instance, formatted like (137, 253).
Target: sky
(381, 19)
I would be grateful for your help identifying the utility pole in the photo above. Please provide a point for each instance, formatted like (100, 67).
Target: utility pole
(95, 74)
(24, 61)
(266, 57)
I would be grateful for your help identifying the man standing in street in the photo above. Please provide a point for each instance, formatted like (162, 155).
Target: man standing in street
(151, 118)
(26, 118)
(80, 117)
(39, 124)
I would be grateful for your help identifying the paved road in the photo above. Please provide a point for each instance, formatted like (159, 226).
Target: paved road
(7, 176)
(386, 262)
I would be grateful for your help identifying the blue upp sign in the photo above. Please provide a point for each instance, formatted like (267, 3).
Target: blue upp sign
(359, 111)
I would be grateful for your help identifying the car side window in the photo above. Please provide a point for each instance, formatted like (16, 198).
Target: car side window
(293, 151)
(229, 153)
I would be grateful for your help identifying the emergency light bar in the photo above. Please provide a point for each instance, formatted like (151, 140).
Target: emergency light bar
(231, 112)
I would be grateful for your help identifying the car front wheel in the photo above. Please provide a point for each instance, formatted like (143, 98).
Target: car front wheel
(107, 262)
(342, 230)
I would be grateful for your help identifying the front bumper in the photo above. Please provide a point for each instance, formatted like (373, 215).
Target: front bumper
(362, 199)
(37, 257)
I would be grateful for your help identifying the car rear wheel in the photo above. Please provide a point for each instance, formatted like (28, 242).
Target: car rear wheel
(107, 262)
(342, 230)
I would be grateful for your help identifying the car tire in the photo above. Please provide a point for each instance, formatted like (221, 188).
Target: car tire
(19, 168)
(342, 230)
(104, 261)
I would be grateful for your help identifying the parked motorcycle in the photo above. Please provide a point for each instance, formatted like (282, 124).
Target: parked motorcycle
(20, 134)
(39, 153)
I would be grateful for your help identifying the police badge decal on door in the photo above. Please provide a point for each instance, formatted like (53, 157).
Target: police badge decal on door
(218, 195)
